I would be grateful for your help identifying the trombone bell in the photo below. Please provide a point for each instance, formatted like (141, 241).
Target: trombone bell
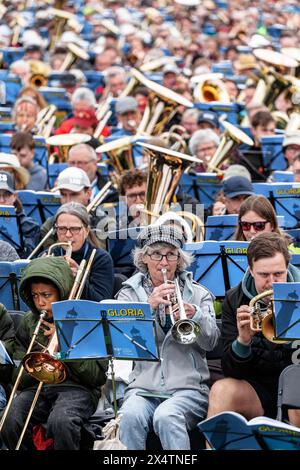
(44, 368)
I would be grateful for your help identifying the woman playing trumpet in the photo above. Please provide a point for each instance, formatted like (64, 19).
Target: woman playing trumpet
(169, 396)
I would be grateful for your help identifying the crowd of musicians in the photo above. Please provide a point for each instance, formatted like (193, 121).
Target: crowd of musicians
(124, 142)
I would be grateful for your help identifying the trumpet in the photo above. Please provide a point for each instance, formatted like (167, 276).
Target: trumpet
(262, 321)
(184, 331)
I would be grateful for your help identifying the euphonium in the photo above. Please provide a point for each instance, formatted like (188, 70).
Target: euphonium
(184, 330)
(263, 321)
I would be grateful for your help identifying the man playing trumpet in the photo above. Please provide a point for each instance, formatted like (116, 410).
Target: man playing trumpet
(251, 363)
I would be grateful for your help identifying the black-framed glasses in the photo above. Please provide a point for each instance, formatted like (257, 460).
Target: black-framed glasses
(156, 256)
(258, 226)
(134, 196)
(73, 230)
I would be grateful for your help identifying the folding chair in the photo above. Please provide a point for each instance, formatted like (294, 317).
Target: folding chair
(288, 391)
(54, 169)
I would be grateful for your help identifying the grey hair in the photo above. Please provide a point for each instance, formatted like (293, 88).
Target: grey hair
(193, 113)
(84, 94)
(20, 63)
(24, 99)
(83, 148)
(112, 72)
(202, 136)
(185, 259)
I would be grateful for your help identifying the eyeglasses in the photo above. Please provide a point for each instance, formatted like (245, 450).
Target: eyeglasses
(258, 226)
(79, 162)
(73, 230)
(156, 256)
(134, 196)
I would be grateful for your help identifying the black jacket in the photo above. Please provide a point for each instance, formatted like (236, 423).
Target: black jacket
(266, 360)
(100, 281)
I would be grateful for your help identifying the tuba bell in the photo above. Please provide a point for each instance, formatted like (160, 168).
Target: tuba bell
(209, 87)
(165, 170)
(263, 321)
(232, 137)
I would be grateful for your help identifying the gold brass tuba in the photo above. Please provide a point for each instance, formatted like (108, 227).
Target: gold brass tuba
(120, 154)
(232, 137)
(165, 170)
(64, 142)
(264, 321)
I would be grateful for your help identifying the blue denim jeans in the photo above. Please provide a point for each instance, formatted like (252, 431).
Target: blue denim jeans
(171, 418)
(64, 409)
(2, 398)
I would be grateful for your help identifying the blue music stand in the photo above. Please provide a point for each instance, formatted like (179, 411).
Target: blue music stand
(272, 151)
(40, 205)
(220, 227)
(280, 176)
(10, 227)
(287, 310)
(109, 329)
(202, 186)
(218, 266)
(207, 267)
(10, 276)
(285, 198)
(54, 169)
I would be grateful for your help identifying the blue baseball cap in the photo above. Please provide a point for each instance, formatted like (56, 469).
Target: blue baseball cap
(237, 186)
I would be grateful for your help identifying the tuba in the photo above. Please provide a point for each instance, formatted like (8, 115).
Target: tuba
(120, 155)
(263, 321)
(64, 142)
(184, 331)
(165, 170)
(232, 137)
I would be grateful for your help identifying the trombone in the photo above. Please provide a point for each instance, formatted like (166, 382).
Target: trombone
(92, 206)
(184, 331)
(43, 365)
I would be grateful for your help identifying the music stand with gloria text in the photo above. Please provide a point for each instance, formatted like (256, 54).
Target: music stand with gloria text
(287, 310)
(111, 329)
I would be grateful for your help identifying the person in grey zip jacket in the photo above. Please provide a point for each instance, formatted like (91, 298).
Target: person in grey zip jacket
(171, 395)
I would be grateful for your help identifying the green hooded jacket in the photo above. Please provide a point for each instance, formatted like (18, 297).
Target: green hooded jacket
(87, 374)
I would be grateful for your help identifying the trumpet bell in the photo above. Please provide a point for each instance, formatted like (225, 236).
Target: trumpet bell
(185, 331)
(44, 368)
(267, 329)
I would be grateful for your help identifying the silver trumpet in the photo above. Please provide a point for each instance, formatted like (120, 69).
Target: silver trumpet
(184, 330)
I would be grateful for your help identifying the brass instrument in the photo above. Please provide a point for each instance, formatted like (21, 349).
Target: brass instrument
(43, 365)
(92, 206)
(120, 154)
(64, 142)
(274, 80)
(232, 137)
(46, 120)
(263, 321)
(165, 170)
(184, 331)
(74, 52)
(163, 103)
(39, 73)
(209, 87)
